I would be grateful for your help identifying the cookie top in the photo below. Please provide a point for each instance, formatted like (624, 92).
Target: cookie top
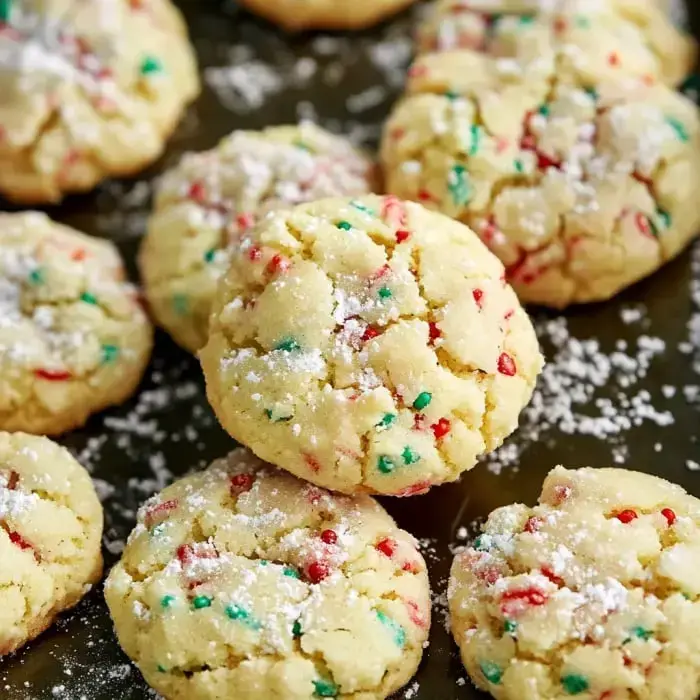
(50, 535)
(73, 336)
(368, 345)
(297, 15)
(615, 38)
(90, 88)
(593, 593)
(242, 581)
(211, 199)
(580, 188)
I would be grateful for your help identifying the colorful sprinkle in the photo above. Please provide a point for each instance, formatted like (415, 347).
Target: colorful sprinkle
(344, 225)
(278, 263)
(239, 614)
(478, 295)
(669, 515)
(275, 418)
(5, 10)
(317, 571)
(312, 463)
(574, 684)
(665, 218)
(361, 207)
(422, 400)
(387, 421)
(492, 672)
(387, 547)
(506, 365)
(480, 543)
(510, 627)
(201, 601)
(433, 331)
(290, 572)
(385, 293)
(162, 669)
(369, 334)
(18, 540)
(544, 110)
(394, 627)
(210, 255)
(533, 524)
(627, 516)
(296, 629)
(240, 483)
(110, 353)
(325, 689)
(458, 185)
(288, 345)
(385, 465)
(254, 254)
(197, 193)
(180, 304)
(150, 65)
(679, 128)
(614, 58)
(36, 276)
(329, 536)
(409, 455)
(512, 601)
(245, 220)
(52, 375)
(159, 512)
(441, 428)
(402, 236)
(639, 633)
(519, 167)
(167, 600)
(475, 133)
(88, 298)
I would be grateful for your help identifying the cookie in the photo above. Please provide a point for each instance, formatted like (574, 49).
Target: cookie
(73, 336)
(581, 187)
(90, 89)
(368, 345)
(592, 594)
(211, 199)
(619, 37)
(244, 582)
(50, 536)
(298, 15)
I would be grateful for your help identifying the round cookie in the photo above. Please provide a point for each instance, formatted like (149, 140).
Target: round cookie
(73, 336)
(91, 89)
(368, 345)
(581, 187)
(624, 37)
(50, 536)
(210, 199)
(298, 15)
(592, 594)
(244, 582)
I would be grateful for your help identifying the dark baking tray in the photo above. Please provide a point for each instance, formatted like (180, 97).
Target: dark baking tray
(169, 429)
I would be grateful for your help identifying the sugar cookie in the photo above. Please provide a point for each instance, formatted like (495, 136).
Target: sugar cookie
(368, 345)
(593, 593)
(88, 89)
(73, 336)
(210, 199)
(50, 536)
(581, 188)
(244, 582)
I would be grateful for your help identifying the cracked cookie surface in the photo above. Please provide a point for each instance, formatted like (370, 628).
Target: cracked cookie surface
(368, 345)
(206, 204)
(50, 536)
(73, 336)
(243, 581)
(88, 89)
(580, 187)
(592, 594)
(611, 38)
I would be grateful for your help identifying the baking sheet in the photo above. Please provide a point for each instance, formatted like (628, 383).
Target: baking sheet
(622, 386)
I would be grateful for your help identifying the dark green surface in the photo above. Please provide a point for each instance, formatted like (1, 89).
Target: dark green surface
(81, 653)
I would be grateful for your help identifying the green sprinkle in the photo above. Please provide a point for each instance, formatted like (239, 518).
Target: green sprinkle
(458, 185)
(210, 255)
(544, 110)
(36, 276)
(665, 217)
(475, 132)
(162, 669)
(526, 20)
(388, 420)
(290, 572)
(510, 627)
(264, 562)
(180, 304)
(679, 128)
(5, 10)
(422, 400)
(361, 207)
(157, 530)
(639, 632)
(384, 293)
(519, 167)
(167, 600)
(398, 632)
(592, 93)
(201, 601)
(110, 353)
(492, 672)
(271, 415)
(239, 614)
(452, 96)
(325, 689)
(288, 345)
(481, 543)
(385, 465)
(574, 684)
(296, 629)
(88, 298)
(150, 65)
(409, 455)
(582, 22)
(302, 146)
(344, 225)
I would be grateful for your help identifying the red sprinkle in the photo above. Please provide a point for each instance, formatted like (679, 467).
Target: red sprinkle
(410, 567)
(425, 196)
(478, 297)
(17, 539)
(254, 254)
(419, 421)
(561, 494)
(417, 489)
(509, 315)
(12, 479)
(560, 25)
(415, 614)
(627, 516)
(557, 580)
(387, 546)
(669, 515)
(317, 571)
(533, 524)
(397, 133)
(434, 331)
(312, 463)
(614, 58)
(159, 512)
(278, 264)
(197, 193)
(417, 71)
(329, 537)
(513, 600)
(441, 428)
(78, 255)
(245, 221)
(506, 365)
(402, 235)
(488, 574)
(240, 483)
(187, 553)
(369, 334)
(52, 375)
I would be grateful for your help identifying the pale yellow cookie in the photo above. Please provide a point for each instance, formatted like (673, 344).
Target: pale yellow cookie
(618, 37)
(368, 345)
(50, 536)
(88, 89)
(297, 15)
(73, 336)
(592, 594)
(210, 199)
(580, 186)
(244, 582)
